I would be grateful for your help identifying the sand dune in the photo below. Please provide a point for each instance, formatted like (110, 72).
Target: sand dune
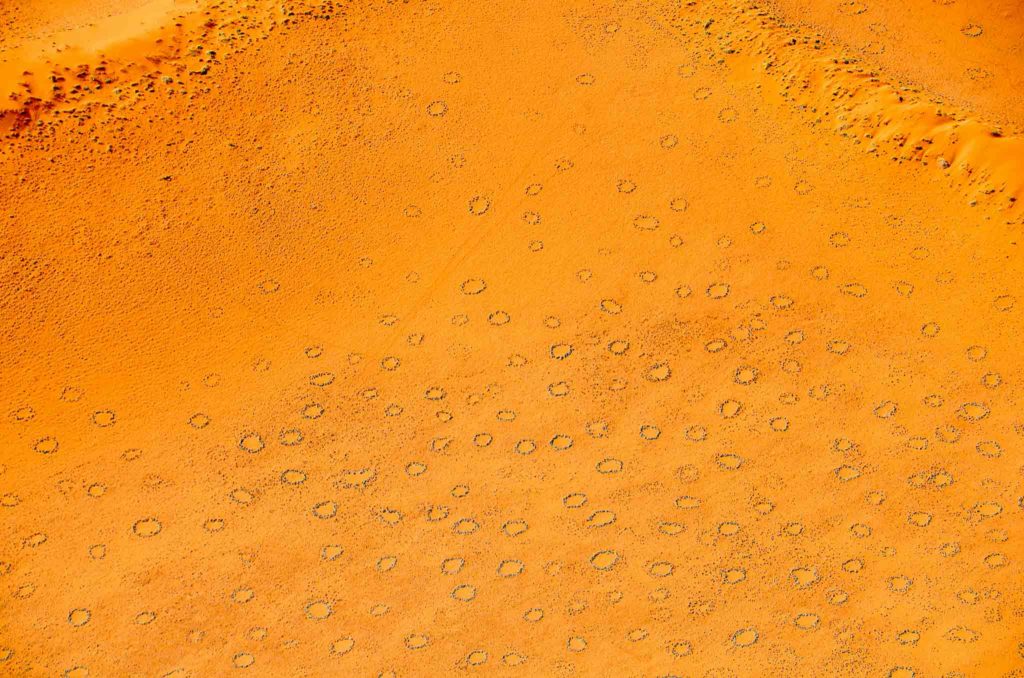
(409, 338)
(967, 53)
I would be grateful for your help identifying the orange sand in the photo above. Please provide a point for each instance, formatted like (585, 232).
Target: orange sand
(415, 338)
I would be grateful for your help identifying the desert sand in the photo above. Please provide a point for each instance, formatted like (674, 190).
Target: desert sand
(408, 338)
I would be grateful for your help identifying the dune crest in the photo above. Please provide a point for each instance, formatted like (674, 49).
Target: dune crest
(89, 71)
(966, 53)
(174, 45)
(839, 89)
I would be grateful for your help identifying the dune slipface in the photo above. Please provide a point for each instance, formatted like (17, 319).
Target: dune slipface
(411, 338)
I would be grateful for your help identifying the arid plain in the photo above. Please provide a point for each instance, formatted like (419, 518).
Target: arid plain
(419, 338)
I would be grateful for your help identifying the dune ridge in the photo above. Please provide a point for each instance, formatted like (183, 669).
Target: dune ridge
(834, 84)
(151, 50)
(839, 89)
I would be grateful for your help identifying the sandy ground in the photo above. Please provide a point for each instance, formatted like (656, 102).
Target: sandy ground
(401, 339)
